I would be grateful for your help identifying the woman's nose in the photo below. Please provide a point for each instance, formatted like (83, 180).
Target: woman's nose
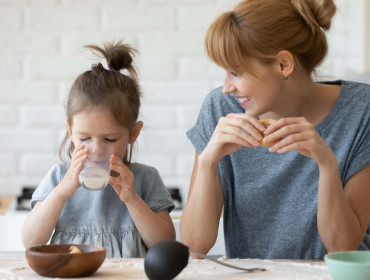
(228, 88)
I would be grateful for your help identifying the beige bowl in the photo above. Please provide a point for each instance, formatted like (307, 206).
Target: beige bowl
(55, 260)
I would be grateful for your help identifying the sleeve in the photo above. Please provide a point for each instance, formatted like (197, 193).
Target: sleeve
(47, 184)
(155, 193)
(361, 154)
(202, 131)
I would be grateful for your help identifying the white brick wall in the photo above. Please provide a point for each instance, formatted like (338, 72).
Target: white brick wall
(41, 54)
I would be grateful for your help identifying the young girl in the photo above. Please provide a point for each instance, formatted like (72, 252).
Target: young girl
(130, 214)
(309, 193)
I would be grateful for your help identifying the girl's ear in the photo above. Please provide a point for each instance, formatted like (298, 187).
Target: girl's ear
(69, 130)
(135, 131)
(285, 62)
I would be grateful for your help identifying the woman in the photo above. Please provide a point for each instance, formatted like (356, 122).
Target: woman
(306, 195)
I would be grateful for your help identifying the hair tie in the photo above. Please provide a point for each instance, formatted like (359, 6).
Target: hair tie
(104, 63)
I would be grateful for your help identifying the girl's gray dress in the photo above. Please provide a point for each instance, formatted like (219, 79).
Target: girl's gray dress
(100, 217)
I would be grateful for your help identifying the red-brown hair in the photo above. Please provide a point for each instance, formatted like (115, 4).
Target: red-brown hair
(260, 29)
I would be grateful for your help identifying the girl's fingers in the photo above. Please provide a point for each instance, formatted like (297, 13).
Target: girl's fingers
(77, 149)
(79, 160)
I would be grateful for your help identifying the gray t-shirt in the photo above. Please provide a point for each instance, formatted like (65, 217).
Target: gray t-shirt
(100, 217)
(270, 199)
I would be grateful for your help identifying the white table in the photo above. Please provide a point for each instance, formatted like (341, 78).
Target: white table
(116, 268)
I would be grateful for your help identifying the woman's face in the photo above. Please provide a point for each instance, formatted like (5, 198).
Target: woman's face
(258, 88)
(99, 127)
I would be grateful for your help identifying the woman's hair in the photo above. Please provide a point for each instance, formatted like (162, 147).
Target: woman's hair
(106, 88)
(260, 29)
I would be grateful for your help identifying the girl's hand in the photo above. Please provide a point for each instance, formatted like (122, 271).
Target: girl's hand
(301, 136)
(231, 133)
(124, 184)
(70, 182)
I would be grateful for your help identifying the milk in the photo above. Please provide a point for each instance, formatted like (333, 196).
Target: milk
(94, 178)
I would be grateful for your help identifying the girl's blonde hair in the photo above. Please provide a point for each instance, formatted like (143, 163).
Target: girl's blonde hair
(107, 89)
(261, 28)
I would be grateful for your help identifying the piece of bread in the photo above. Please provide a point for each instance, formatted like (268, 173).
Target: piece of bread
(74, 250)
(267, 123)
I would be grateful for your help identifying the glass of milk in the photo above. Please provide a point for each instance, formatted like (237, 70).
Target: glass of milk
(96, 170)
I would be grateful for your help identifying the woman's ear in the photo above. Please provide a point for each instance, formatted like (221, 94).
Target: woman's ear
(285, 62)
(135, 131)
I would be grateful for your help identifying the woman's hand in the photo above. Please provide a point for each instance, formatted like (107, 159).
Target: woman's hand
(301, 136)
(70, 182)
(232, 132)
(124, 184)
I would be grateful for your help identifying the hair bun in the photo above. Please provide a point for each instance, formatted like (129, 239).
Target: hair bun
(316, 13)
(118, 56)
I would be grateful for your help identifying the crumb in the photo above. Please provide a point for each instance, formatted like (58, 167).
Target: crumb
(74, 250)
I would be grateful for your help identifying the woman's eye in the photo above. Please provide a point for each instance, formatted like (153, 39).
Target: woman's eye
(111, 140)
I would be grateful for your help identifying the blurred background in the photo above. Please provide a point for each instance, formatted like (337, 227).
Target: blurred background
(41, 54)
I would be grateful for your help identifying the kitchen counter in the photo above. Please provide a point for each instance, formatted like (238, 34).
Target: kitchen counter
(116, 268)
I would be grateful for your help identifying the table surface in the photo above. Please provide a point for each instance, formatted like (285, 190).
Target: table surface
(116, 268)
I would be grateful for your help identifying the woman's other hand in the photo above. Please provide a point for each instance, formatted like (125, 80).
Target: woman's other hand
(299, 135)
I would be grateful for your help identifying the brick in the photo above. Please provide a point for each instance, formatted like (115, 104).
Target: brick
(10, 186)
(186, 116)
(8, 115)
(4, 3)
(198, 19)
(184, 164)
(164, 141)
(27, 92)
(176, 2)
(133, 18)
(27, 43)
(174, 92)
(91, 3)
(26, 139)
(200, 68)
(157, 116)
(73, 43)
(36, 164)
(59, 18)
(163, 163)
(10, 68)
(43, 116)
(179, 43)
(7, 164)
(154, 68)
(10, 19)
(63, 67)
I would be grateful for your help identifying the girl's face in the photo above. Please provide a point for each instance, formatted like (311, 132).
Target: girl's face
(99, 127)
(258, 88)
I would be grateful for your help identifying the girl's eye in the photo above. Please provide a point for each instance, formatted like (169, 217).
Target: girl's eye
(111, 140)
(234, 74)
(84, 139)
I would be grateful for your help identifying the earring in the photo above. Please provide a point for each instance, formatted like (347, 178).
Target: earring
(284, 78)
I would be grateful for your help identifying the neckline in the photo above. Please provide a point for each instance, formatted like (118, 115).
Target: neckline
(338, 103)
